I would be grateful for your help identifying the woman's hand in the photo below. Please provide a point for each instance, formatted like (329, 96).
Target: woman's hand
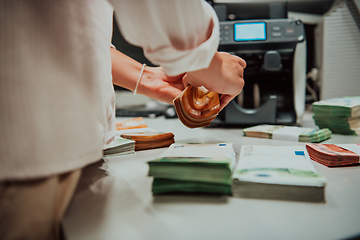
(224, 76)
(156, 84)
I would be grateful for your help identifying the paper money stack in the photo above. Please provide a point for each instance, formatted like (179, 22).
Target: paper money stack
(197, 107)
(119, 146)
(288, 133)
(334, 155)
(150, 140)
(340, 115)
(144, 137)
(277, 172)
(193, 168)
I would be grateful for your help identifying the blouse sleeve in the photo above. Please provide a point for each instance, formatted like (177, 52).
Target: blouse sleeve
(173, 34)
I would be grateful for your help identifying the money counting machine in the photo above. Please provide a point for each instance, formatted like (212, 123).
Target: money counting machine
(275, 76)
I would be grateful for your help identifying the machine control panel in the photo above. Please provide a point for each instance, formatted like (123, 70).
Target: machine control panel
(261, 31)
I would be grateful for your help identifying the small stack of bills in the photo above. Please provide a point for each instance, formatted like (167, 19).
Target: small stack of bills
(150, 140)
(197, 107)
(288, 133)
(144, 137)
(193, 168)
(334, 155)
(131, 124)
(119, 146)
(340, 115)
(277, 172)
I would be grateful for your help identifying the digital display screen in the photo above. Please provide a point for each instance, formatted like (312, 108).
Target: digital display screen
(255, 31)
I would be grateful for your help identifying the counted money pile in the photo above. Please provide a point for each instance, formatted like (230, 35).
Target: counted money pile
(277, 172)
(340, 115)
(119, 146)
(334, 155)
(144, 137)
(193, 168)
(149, 140)
(288, 133)
(197, 107)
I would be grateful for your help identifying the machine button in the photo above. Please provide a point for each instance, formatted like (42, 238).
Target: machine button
(226, 38)
(289, 31)
(276, 34)
(226, 32)
(276, 28)
(226, 27)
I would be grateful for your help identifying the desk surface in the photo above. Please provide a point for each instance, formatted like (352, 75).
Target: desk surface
(119, 204)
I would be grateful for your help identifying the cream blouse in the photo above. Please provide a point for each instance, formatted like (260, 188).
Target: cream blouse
(56, 94)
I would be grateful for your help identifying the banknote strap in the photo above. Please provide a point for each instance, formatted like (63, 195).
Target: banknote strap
(289, 133)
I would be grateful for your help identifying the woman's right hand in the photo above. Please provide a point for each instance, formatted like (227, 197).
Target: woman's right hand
(224, 76)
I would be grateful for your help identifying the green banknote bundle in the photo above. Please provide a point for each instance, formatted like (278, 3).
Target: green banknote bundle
(161, 185)
(193, 168)
(340, 115)
(277, 172)
(288, 133)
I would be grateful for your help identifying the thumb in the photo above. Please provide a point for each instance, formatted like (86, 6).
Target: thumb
(185, 80)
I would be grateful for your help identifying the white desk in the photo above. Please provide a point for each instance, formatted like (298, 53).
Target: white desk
(121, 206)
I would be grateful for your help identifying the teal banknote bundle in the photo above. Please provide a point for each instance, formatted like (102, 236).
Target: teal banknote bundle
(205, 168)
(340, 115)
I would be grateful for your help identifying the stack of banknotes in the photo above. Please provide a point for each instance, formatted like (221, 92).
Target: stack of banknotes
(193, 168)
(288, 133)
(277, 172)
(150, 140)
(136, 129)
(340, 115)
(334, 155)
(119, 146)
(197, 107)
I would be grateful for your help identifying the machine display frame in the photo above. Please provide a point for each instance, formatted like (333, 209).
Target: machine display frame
(256, 33)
